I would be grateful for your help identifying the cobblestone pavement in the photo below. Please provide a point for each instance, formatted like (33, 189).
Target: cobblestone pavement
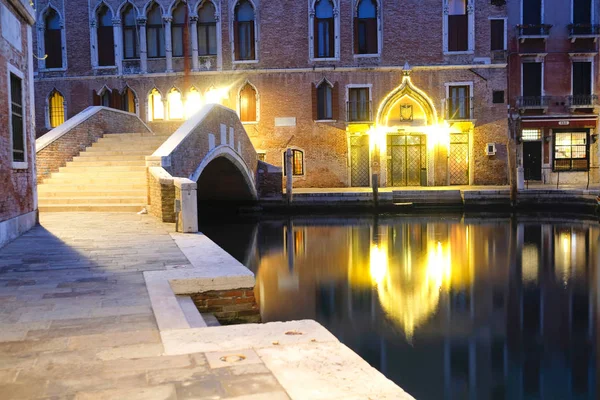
(76, 320)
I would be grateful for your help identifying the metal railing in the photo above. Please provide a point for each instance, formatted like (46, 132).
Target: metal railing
(458, 108)
(533, 102)
(534, 30)
(358, 111)
(584, 29)
(582, 100)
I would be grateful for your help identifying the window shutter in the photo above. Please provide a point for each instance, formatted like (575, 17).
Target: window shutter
(372, 39)
(335, 102)
(315, 37)
(115, 99)
(315, 102)
(95, 98)
(356, 47)
(236, 40)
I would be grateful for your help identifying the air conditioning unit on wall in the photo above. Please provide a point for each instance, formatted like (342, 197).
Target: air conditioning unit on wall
(490, 149)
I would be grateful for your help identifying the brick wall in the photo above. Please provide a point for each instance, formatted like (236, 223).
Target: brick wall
(229, 306)
(17, 185)
(83, 134)
(269, 180)
(161, 194)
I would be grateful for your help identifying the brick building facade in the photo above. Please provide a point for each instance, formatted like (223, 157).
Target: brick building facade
(553, 88)
(412, 90)
(18, 200)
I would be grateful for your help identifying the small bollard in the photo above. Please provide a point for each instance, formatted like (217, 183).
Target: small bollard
(289, 176)
(375, 185)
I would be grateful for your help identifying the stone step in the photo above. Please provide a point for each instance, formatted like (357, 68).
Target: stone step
(83, 180)
(102, 151)
(92, 207)
(83, 168)
(129, 141)
(110, 158)
(138, 134)
(90, 192)
(85, 200)
(93, 163)
(72, 173)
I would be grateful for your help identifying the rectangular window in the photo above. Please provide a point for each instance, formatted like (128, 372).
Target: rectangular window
(498, 96)
(458, 26)
(582, 78)
(245, 40)
(297, 163)
(16, 118)
(359, 105)
(459, 102)
(177, 40)
(130, 39)
(582, 11)
(532, 79)
(325, 36)
(207, 39)
(571, 151)
(497, 34)
(261, 156)
(156, 41)
(532, 12)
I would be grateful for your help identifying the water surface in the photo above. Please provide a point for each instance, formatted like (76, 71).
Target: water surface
(446, 307)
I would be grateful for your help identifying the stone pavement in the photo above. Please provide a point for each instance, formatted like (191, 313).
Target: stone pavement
(76, 320)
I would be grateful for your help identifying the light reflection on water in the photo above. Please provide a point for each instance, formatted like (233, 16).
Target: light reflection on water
(448, 308)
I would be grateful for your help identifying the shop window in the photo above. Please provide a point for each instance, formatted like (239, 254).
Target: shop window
(130, 33)
(571, 151)
(297, 163)
(178, 30)
(244, 31)
(365, 28)
(56, 109)
(53, 40)
(248, 104)
(106, 39)
(531, 135)
(324, 29)
(155, 33)
(207, 30)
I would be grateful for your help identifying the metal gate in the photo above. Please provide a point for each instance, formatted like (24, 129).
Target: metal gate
(407, 160)
(359, 160)
(459, 159)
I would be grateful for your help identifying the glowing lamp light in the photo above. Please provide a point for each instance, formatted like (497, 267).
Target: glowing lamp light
(438, 135)
(193, 103)
(216, 96)
(175, 105)
(378, 138)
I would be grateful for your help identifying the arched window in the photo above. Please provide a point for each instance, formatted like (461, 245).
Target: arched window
(175, 104)
(178, 30)
(56, 109)
(106, 39)
(193, 102)
(155, 33)
(243, 30)
(53, 40)
(297, 163)
(128, 100)
(156, 107)
(324, 101)
(248, 104)
(130, 34)
(365, 28)
(207, 29)
(324, 33)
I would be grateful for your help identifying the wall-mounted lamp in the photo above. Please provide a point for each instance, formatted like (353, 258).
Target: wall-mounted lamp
(594, 138)
(547, 138)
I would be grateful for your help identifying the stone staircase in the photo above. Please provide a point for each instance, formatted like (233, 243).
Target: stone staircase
(108, 176)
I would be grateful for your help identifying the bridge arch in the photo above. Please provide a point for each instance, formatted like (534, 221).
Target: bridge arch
(224, 176)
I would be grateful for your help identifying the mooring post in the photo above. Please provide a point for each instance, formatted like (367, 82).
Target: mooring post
(289, 175)
(375, 185)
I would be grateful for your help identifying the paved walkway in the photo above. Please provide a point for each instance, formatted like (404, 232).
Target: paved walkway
(536, 186)
(76, 320)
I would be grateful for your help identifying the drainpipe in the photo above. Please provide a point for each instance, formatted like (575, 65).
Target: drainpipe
(289, 176)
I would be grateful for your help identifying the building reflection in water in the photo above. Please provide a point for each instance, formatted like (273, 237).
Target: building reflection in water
(447, 308)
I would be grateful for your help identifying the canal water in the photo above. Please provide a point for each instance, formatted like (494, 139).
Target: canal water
(448, 307)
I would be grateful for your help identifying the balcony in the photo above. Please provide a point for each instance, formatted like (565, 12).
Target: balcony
(533, 31)
(533, 103)
(358, 111)
(584, 31)
(459, 109)
(582, 101)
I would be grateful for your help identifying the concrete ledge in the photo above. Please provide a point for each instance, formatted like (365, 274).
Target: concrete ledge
(15, 227)
(161, 175)
(185, 184)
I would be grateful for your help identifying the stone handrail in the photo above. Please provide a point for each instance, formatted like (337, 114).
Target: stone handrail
(61, 144)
